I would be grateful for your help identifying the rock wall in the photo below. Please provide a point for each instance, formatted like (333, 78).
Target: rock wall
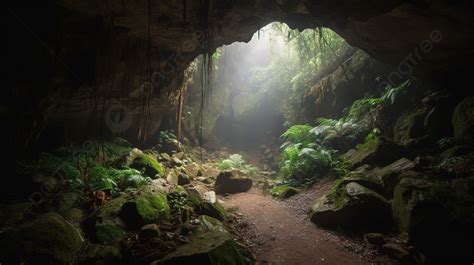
(111, 51)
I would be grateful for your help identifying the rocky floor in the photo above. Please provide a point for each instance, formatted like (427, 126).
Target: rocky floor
(280, 233)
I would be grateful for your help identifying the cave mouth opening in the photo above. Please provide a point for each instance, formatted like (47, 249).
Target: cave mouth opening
(257, 87)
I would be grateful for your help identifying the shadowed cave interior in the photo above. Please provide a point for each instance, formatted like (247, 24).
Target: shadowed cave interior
(238, 132)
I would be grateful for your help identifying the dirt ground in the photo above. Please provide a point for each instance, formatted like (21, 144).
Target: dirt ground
(279, 232)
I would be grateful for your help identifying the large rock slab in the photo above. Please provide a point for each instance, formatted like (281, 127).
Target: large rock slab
(207, 248)
(379, 152)
(228, 182)
(352, 207)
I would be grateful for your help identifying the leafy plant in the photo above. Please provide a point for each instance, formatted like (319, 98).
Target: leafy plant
(362, 107)
(85, 167)
(236, 161)
(392, 93)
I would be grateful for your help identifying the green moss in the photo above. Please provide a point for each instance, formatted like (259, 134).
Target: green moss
(410, 125)
(108, 232)
(107, 226)
(214, 210)
(362, 107)
(149, 164)
(48, 239)
(152, 207)
(284, 191)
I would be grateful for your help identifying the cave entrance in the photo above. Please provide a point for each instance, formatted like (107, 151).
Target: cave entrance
(256, 88)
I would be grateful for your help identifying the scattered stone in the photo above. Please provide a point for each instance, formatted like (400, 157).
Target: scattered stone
(183, 179)
(149, 231)
(227, 182)
(210, 197)
(172, 177)
(374, 239)
(284, 191)
(396, 252)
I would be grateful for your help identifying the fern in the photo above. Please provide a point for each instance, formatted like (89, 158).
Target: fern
(236, 161)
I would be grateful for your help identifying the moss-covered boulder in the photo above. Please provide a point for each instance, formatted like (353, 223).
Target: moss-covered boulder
(104, 225)
(284, 191)
(410, 125)
(144, 208)
(206, 223)
(351, 207)
(437, 216)
(463, 121)
(367, 180)
(206, 248)
(148, 164)
(378, 151)
(229, 182)
(389, 175)
(95, 254)
(214, 210)
(47, 239)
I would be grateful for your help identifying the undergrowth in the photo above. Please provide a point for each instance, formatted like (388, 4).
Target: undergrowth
(88, 167)
(236, 161)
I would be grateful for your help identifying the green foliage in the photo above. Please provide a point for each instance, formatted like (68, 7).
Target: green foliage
(362, 107)
(328, 129)
(392, 93)
(85, 167)
(299, 134)
(177, 201)
(167, 136)
(304, 158)
(446, 142)
(236, 161)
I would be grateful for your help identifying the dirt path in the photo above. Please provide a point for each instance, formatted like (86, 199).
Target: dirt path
(280, 233)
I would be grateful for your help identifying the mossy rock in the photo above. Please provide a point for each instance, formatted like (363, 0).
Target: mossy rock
(145, 208)
(378, 151)
(74, 215)
(148, 164)
(422, 208)
(284, 191)
(104, 225)
(95, 254)
(463, 121)
(351, 207)
(47, 239)
(172, 177)
(410, 125)
(367, 180)
(389, 175)
(208, 248)
(67, 201)
(214, 210)
(229, 182)
(207, 223)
